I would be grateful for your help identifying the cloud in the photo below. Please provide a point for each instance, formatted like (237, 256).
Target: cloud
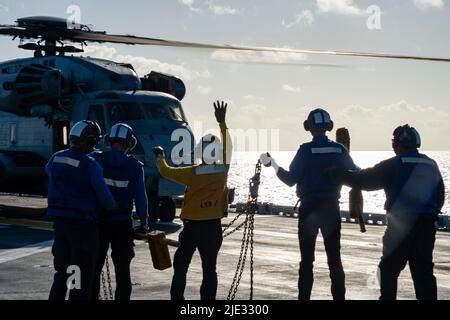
(190, 5)
(251, 97)
(254, 108)
(289, 88)
(3, 8)
(345, 7)
(373, 127)
(204, 90)
(356, 111)
(221, 10)
(396, 112)
(144, 65)
(257, 57)
(101, 52)
(403, 107)
(424, 4)
(305, 17)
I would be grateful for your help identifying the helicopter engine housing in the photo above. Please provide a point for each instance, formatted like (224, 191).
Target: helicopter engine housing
(35, 84)
(156, 81)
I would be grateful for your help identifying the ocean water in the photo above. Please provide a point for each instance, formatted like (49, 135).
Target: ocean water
(272, 190)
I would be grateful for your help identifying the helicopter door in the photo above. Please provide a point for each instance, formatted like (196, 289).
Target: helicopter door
(60, 135)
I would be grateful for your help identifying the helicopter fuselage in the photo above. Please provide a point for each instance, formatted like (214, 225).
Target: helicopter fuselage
(41, 98)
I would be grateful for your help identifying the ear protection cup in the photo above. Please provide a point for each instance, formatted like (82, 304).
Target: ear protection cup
(394, 144)
(91, 141)
(132, 143)
(107, 141)
(306, 125)
(417, 137)
(331, 126)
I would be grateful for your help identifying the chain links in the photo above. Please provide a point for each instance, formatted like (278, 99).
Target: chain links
(250, 208)
(107, 289)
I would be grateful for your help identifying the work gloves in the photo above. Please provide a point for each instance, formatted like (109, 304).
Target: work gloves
(158, 151)
(268, 161)
(220, 110)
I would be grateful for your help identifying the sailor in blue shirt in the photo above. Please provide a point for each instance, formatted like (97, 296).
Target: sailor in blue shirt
(124, 176)
(318, 195)
(76, 189)
(415, 194)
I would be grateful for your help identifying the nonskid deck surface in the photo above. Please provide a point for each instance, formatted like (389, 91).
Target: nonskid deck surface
(26, 268)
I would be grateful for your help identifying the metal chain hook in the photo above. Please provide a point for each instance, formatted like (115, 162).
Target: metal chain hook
(250, 209)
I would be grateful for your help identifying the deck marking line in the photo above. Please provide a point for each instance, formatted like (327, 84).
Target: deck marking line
(7, 255)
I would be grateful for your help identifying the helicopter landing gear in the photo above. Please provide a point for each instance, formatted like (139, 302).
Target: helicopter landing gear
(162, 208)
(167, 209)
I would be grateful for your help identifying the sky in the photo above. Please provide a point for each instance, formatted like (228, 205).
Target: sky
(275, 92)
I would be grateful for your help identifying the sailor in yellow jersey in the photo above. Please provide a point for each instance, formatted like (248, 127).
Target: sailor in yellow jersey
(205, 204)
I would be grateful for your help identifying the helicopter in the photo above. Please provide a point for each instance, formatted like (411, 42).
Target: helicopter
(41, 97)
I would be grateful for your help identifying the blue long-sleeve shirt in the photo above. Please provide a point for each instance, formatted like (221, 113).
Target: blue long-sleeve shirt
(97, 181)
(307, 169)
(412, 183)
(141, 200)
(125, 178)
(76, 185)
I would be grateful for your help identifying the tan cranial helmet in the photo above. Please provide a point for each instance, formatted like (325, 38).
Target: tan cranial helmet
(209, 149)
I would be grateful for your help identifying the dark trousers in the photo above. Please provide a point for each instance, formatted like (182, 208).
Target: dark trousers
(75, 246)
(206, 236)
(408, 238)
(326, 217)
(118, 234)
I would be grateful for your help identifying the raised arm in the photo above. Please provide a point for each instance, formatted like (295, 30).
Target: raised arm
(295, 173)
(376, 178)
(290, 177)
(220, 110)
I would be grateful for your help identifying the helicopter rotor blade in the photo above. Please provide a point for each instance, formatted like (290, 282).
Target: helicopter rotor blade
(15, 31)
(56, 33)
(289, 63)
(128, 39)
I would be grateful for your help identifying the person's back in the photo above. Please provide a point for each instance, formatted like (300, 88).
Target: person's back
(308, 168)
(205, 197)
(124, 176)
(76, 191)
(415, 194)
(205, 204)
(318, 194)
(415, 187)
(70, 193)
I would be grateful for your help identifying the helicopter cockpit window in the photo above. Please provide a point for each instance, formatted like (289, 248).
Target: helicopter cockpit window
(160, 112)
(96, 114)
(124, 111)
(176, 113)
